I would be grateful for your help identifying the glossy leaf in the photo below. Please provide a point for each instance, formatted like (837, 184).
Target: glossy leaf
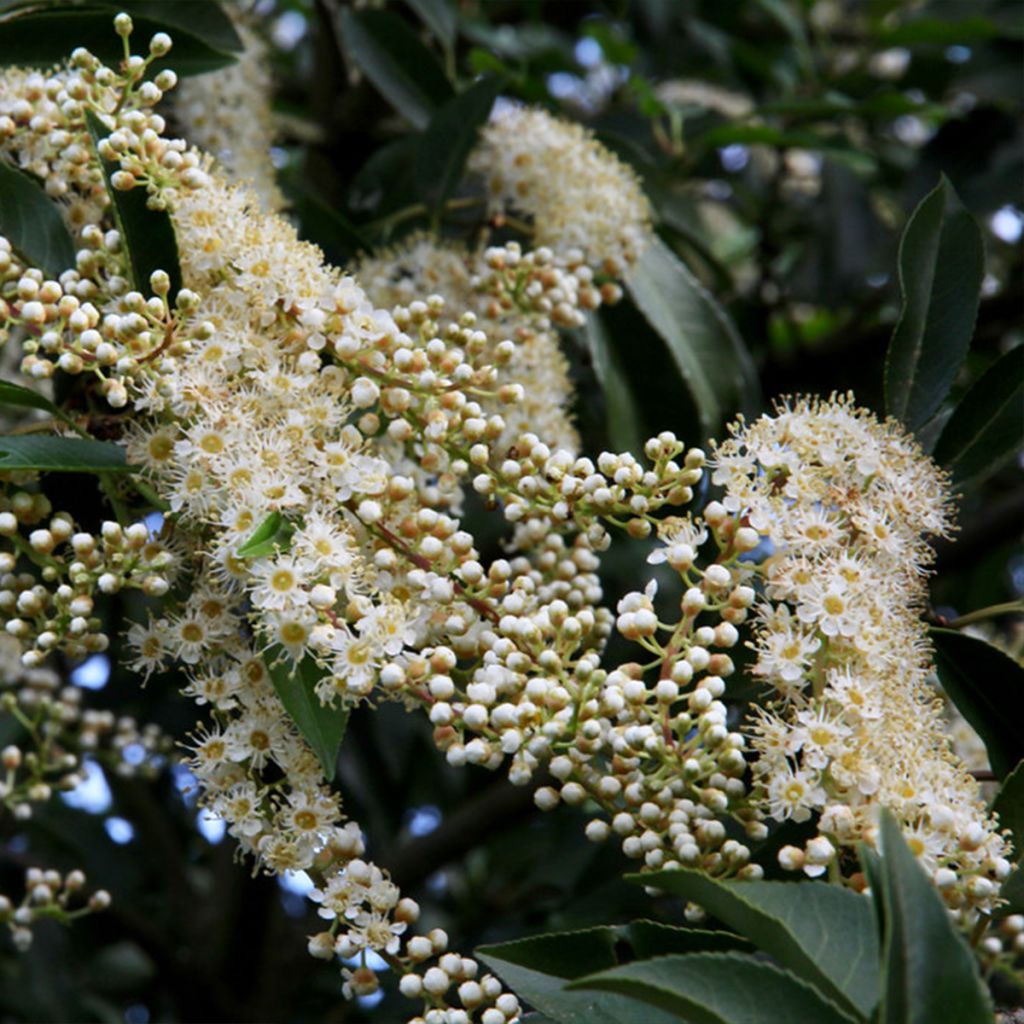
(987, 427)
(988, 688)
(32, 222)
(538, 970)
(703, 343)
(147, 235)
(26, 398)
(273, 534)
(395, 61)
(652, 938)
(49, 454)
(1009, 805)
(322, 726)
(41, 36)
(718, 988)
(929, 973)
(824, 934)
(438, 16)
(1012, 890)
(621, 417)
(941, 263)
(446, 144)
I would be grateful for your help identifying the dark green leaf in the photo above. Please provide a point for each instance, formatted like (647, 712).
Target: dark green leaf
(1009, 805)
(707, 351)
(32, 222)
(26, 398)
(325, 226)
(274, 534)
(718, 988)
(621, 416)
(940, 31)
(652, 938)
(393, 58)
(538, 969)
(825, 934)
(987, 427)
(930, 974)
(50, 454)
(988, 688)
(207, 20)
(147, 235)
(941, 264)
(322, 726)
(45, 36)
(1012, 890)
(446, 144)
(438, 16)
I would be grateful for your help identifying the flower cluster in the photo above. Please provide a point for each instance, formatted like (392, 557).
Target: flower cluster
(311, 451)
(47, 894)
(227, 113)
(846, 504)
(576, 192)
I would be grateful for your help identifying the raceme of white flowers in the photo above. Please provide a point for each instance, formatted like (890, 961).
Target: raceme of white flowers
(273, 384)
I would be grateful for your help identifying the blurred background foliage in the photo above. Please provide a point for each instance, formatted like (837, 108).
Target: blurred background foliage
(783, 145)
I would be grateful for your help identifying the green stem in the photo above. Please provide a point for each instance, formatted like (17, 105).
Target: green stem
(991, 612)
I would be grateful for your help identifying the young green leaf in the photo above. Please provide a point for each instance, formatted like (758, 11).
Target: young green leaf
(941, 263)
(393, 58)
(32, 222)
(442, 152)
(822, 933)
(718, 988)
(48, 454)
(712, 360)
(930, 974)
(147, 235)
(988, 688)
(986, 427)
(42, 35)
(321, 726)
(273, 534)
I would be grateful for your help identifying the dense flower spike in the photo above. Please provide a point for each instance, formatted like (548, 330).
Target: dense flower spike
(274, 393)
(576, 192)
(846, 504)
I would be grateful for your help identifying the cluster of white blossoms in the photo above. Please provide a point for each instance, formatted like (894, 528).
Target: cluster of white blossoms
(310, 452)
(577, 193)
(854, 724)
(228, 114)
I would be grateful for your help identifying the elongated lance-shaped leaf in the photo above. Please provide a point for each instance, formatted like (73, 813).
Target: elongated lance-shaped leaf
(321, 725)
(622, 416)
(48, 454)
(44, 34)
(438, 16)
(393, 58)
(442, 152)
(930, 973)
(987, 427)
(822, 933)
(32, 222)
(26, 398)
(718, 988)
(147, 235)
(987, 686)
(941, 265)
(712, 360)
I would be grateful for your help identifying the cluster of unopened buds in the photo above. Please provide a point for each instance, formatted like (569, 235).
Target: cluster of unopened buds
(555, 287)
(54, 611)
(48, 895)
